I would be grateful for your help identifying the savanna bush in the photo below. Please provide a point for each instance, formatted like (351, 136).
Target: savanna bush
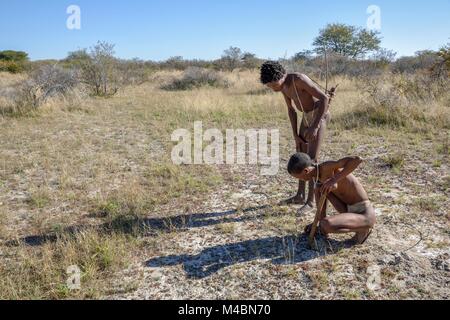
(11, 67)
(405, 89)
(400, 101)
(195, 77)
(13, 61)
(338, 65)
(422, 60)
(98, 68)
(132, 72)
(47, 82)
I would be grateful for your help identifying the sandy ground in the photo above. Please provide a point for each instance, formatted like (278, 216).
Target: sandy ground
(233, 241)
(239, 245)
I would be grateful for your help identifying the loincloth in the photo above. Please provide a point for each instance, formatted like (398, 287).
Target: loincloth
(308, 118)
(360, 207)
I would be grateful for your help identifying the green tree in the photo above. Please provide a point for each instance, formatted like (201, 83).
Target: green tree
(347, 40)
(14, 56)
(13, 61)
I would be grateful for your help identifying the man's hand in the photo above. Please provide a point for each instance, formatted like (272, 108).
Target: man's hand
(308, 228)
(299, 142)
(311, 134)
(332, 94)
(329, 186)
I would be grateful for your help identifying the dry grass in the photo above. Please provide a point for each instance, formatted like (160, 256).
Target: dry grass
(29, 273)
(364, 103)
(102, 161)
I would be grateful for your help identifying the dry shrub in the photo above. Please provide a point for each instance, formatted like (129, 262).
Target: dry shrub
(43, 84)
(195, 77)
(99, 70)
(132, 73)
(163, 79)
(402, 101)
(46, 82)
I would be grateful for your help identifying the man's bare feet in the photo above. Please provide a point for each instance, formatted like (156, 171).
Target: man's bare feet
(310, 203)
(304, 209)
(361, 237)
(319, 231)
(298, 199)
(308, 229)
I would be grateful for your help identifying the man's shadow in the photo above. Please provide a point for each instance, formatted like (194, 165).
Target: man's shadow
(280, 250)
(148, 226)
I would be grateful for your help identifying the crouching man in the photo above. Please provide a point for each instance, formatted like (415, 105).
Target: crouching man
(342, 189)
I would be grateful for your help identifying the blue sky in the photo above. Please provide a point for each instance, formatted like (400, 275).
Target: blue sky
(159, 29)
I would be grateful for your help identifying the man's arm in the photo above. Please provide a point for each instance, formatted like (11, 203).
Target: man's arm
(309, 86)
(348, 165)
(345, 167)
(293, 118)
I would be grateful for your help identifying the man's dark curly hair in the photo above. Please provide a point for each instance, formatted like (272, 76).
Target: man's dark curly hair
(271, 71)
(298, 163)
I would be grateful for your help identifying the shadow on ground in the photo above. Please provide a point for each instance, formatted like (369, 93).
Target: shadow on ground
(280, 250)
(129, 224)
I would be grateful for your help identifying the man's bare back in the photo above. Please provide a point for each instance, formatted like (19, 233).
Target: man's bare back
(348, 190)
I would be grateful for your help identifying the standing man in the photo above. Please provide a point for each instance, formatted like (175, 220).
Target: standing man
(301, 95)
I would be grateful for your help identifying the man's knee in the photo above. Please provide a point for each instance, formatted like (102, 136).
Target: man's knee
(370, 218)
(326, 226)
